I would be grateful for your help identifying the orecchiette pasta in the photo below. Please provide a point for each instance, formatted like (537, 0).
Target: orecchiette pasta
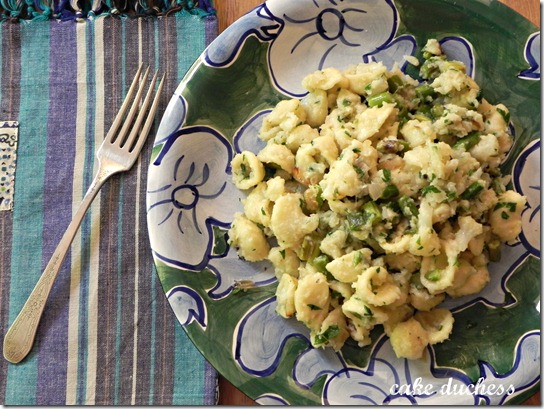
(316, 106)
(247, 170)
(248, 238)
(506, 216)
(438, 323)
(285, 296)
(377, 196)
(334, 330)
(257, 206)
(285, 261)
(377, 287)
(289, 223)
(347, 268)
(312, 299)
(278, 155)
(409, 339)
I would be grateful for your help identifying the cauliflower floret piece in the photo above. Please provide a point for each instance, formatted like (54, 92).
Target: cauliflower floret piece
(457, 87)
(347, 103)
(248, 238)
(496, 117)
(450, 80)
(338, 125)
(486, 149)
(289, 223)
(342, 180)
(372, 120)
(458, 121)
(345, 174)
(426, 242)
(329, 218)
(465, 165)
(468, 230)
(432, 46)
(430, 159)
(442, 211)
(285, 117)
(325, 79)
(417, 132)
(367, 78)
(505, 219)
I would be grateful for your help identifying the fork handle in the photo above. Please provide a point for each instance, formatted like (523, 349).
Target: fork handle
(20, 336)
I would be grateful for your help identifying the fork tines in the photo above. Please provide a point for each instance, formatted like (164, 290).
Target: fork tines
(123, 139)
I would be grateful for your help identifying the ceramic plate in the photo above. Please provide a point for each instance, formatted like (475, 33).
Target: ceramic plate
(493, 356)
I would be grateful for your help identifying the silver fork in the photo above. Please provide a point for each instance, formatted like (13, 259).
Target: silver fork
(117, 153)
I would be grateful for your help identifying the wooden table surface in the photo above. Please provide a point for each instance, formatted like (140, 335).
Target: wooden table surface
(229, 11)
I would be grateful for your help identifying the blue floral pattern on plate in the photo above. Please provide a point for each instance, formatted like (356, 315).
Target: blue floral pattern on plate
(387, 379)
(532, 55)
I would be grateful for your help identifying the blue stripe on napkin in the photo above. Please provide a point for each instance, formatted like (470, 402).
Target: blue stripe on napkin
(108, 335)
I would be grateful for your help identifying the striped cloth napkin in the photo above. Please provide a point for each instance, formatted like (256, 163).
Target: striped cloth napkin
(108, 335)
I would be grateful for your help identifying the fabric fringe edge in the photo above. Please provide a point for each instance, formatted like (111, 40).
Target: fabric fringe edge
(38, 10)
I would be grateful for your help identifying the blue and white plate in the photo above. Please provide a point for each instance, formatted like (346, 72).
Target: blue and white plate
(493, 356)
